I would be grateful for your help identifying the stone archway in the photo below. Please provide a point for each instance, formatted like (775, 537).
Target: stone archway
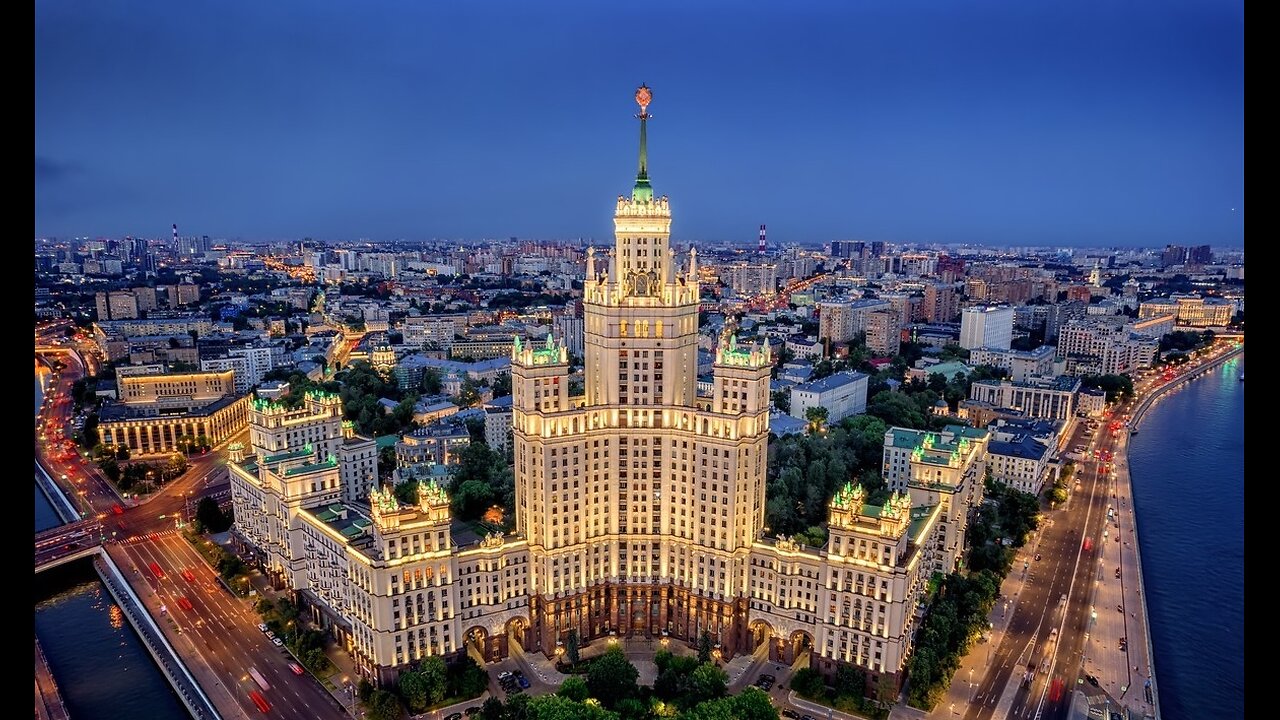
(478, 643)
(798, 649)
(515, 635)
(765, 641)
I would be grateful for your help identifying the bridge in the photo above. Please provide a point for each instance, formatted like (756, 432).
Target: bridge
(67, 543)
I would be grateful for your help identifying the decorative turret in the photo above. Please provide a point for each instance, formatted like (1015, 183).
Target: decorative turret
(529, 355)
(756, 356)
(235, 452)
(433, 501)
(846, 505)
(348, 429)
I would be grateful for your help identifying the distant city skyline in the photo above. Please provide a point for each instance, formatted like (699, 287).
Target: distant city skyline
(997, 124)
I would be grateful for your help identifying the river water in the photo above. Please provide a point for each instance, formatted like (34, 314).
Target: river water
(1187, 466)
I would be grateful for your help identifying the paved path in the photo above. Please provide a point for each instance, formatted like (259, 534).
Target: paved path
(48, 700)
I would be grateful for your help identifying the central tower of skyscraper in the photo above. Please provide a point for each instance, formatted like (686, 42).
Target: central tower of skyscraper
(640, 499)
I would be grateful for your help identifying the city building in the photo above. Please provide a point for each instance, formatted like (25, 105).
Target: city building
(884, 333)
(497, 423)
(986, 326)
(150, 386)
(145, 432)
(1109, 345)
(943, 469)
(1189, 310)
(1021, 462)
(835, 321)
(438, 444)
(317, 424)
(842, 394)
(1042, 397)
(941, 303)
(1021, 364)
(569, 329)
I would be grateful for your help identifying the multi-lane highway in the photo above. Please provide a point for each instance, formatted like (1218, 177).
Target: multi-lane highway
(216, 633)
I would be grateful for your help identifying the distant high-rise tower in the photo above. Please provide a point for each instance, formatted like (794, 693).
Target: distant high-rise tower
(175, 235)
(763, 243)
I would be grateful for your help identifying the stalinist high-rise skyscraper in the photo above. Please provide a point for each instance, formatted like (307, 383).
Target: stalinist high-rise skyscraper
(639, 505)
(640, 500)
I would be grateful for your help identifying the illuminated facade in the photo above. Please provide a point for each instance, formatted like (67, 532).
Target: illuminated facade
(639, 505)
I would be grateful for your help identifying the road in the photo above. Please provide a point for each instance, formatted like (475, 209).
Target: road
(1085, 577)
(218, 638)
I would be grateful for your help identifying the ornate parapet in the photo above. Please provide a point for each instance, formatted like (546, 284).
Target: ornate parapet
(529, 355)
(756, 356)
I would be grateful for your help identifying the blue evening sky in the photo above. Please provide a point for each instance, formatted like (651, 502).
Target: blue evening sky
(1077, 122)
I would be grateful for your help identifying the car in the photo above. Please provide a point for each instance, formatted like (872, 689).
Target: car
(1120, 608)
(270, 634)
(505, 674)
(1037, 556)
(296, 668)
(808, 717)
(790, 714)
(1092, 680)
(277, 641)
(471, 710)
(454, 716)
(524, 681)
(262, 627)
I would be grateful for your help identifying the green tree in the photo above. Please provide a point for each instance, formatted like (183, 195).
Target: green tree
(556, 707)
(612, 677)
(704, 647)
(574, 688)
(782, 400)
(502, 386)
(809, 683)
(435, 676)
(383, 705)
(571, 647)
(413, 689)
(754, 704)
(209, 517)
(431, 383)
(364, 690)
(110, 468)
(386, 461)
(469, 395)
(707, 682)
(407, 491)
(817, 417)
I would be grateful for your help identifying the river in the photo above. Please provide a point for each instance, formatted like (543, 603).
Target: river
(1187, 467)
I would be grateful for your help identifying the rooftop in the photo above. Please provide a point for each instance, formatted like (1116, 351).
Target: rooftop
(831, 382)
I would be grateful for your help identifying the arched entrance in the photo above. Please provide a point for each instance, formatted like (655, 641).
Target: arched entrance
(798, 647)
(516, 631)
(477, 644)
(764, 641)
